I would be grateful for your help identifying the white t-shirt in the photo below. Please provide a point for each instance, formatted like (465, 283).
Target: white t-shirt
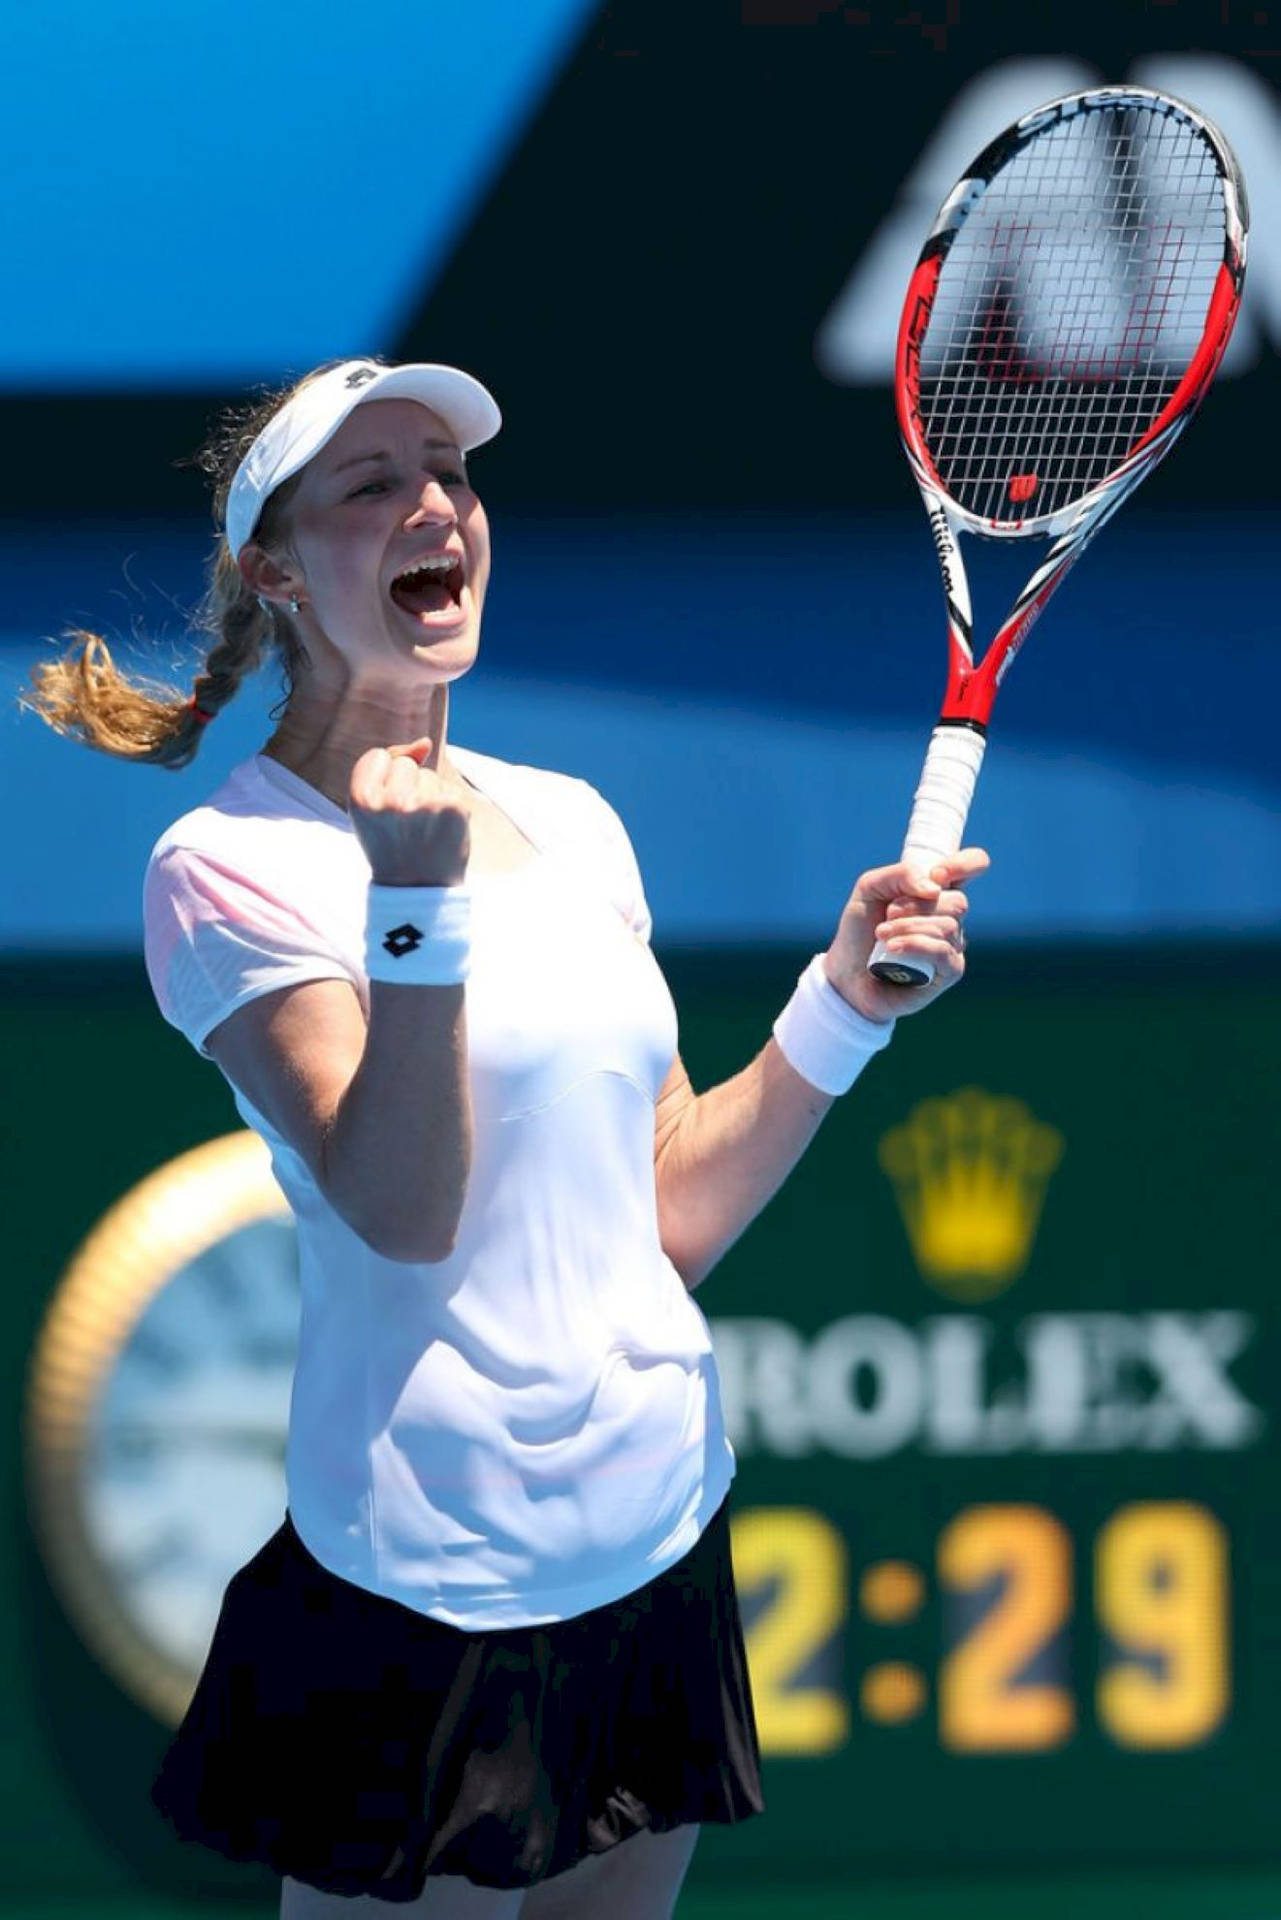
(532, 1427)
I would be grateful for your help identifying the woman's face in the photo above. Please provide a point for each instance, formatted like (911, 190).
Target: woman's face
(390, 547)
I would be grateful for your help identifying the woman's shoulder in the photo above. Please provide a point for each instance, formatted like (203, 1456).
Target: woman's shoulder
(566, 799)
(259, 815)
(566, 815)
(249, 891)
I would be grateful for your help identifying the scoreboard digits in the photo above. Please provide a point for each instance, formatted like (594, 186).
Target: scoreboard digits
(1160, 1604)
(1162, 1592)
(1024, 1556)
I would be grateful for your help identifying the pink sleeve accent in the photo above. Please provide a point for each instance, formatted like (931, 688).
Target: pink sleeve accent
(215, 939)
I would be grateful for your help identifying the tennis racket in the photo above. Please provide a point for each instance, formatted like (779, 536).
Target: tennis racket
(1067, 313)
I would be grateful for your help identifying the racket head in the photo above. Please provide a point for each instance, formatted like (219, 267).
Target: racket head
(1069, 308)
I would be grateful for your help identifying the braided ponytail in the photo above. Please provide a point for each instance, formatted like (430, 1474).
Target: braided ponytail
(84, 695)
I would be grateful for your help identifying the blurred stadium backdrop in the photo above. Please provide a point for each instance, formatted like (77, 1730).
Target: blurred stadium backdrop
(1001, 1361)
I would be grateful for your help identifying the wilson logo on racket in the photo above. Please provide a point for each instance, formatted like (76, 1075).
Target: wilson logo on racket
(970, 1173)
(943, 548)
(1069, 309)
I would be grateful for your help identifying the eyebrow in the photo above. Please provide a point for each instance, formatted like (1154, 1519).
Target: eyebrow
(358, 459)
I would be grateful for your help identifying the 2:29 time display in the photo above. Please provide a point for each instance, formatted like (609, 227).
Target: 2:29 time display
(1161, 1604)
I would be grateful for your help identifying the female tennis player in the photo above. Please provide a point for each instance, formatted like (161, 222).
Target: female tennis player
(491, 1663)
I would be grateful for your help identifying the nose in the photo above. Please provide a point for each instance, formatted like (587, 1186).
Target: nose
(434, 505)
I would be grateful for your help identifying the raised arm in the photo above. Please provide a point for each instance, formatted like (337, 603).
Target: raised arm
(720, 1156)
(380, 1113)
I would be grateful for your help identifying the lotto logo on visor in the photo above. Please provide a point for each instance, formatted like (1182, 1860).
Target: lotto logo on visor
(310, 419)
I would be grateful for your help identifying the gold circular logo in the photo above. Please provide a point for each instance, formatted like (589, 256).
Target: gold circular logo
(157, 1410)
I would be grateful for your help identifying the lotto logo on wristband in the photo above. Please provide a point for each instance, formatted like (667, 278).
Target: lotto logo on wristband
(431, 950)
(402, 940)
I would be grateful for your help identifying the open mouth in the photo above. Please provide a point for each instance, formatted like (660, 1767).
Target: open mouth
(430, 586)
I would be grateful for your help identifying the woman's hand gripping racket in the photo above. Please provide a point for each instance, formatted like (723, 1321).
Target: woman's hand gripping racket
(1068, 311)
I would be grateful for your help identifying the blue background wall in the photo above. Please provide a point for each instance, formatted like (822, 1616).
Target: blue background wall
(754, 696)
(673, 245)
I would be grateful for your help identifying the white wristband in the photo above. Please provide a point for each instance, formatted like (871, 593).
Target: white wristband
(418, 936)
(823, 1037)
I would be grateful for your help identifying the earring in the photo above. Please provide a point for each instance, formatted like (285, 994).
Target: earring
(294, 606)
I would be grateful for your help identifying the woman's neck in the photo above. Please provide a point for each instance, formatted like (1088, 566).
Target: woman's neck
(321, 740)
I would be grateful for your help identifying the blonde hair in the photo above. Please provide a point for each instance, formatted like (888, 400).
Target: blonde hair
(84, 694)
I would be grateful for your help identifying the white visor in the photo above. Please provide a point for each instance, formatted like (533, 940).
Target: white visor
(304, 424)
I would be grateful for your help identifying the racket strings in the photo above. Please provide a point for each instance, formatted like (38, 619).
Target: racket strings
(1068, 308)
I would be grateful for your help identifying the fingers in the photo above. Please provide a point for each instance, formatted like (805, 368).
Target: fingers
(390, 773)
(927, 946)
(946, 957)
(941, 926)
(404, 776)
(896, 882)
(949, 902)
(416, 749)
(912, 879)
(922, 912)
(414, 828)
(965, 865)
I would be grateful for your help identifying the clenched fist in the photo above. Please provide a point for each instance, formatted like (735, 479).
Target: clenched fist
(416, 830)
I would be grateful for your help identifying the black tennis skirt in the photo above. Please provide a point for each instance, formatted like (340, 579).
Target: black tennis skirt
(343, 1739)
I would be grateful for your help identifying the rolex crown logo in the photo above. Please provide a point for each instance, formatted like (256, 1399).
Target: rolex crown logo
(970, 1172)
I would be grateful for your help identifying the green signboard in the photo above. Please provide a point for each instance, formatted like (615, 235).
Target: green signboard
(998, 1364)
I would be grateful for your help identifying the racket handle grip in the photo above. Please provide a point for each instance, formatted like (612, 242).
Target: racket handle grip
(936, 828)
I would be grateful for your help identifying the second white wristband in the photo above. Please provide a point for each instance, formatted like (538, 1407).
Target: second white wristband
(418, 936)
(827, 1041)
